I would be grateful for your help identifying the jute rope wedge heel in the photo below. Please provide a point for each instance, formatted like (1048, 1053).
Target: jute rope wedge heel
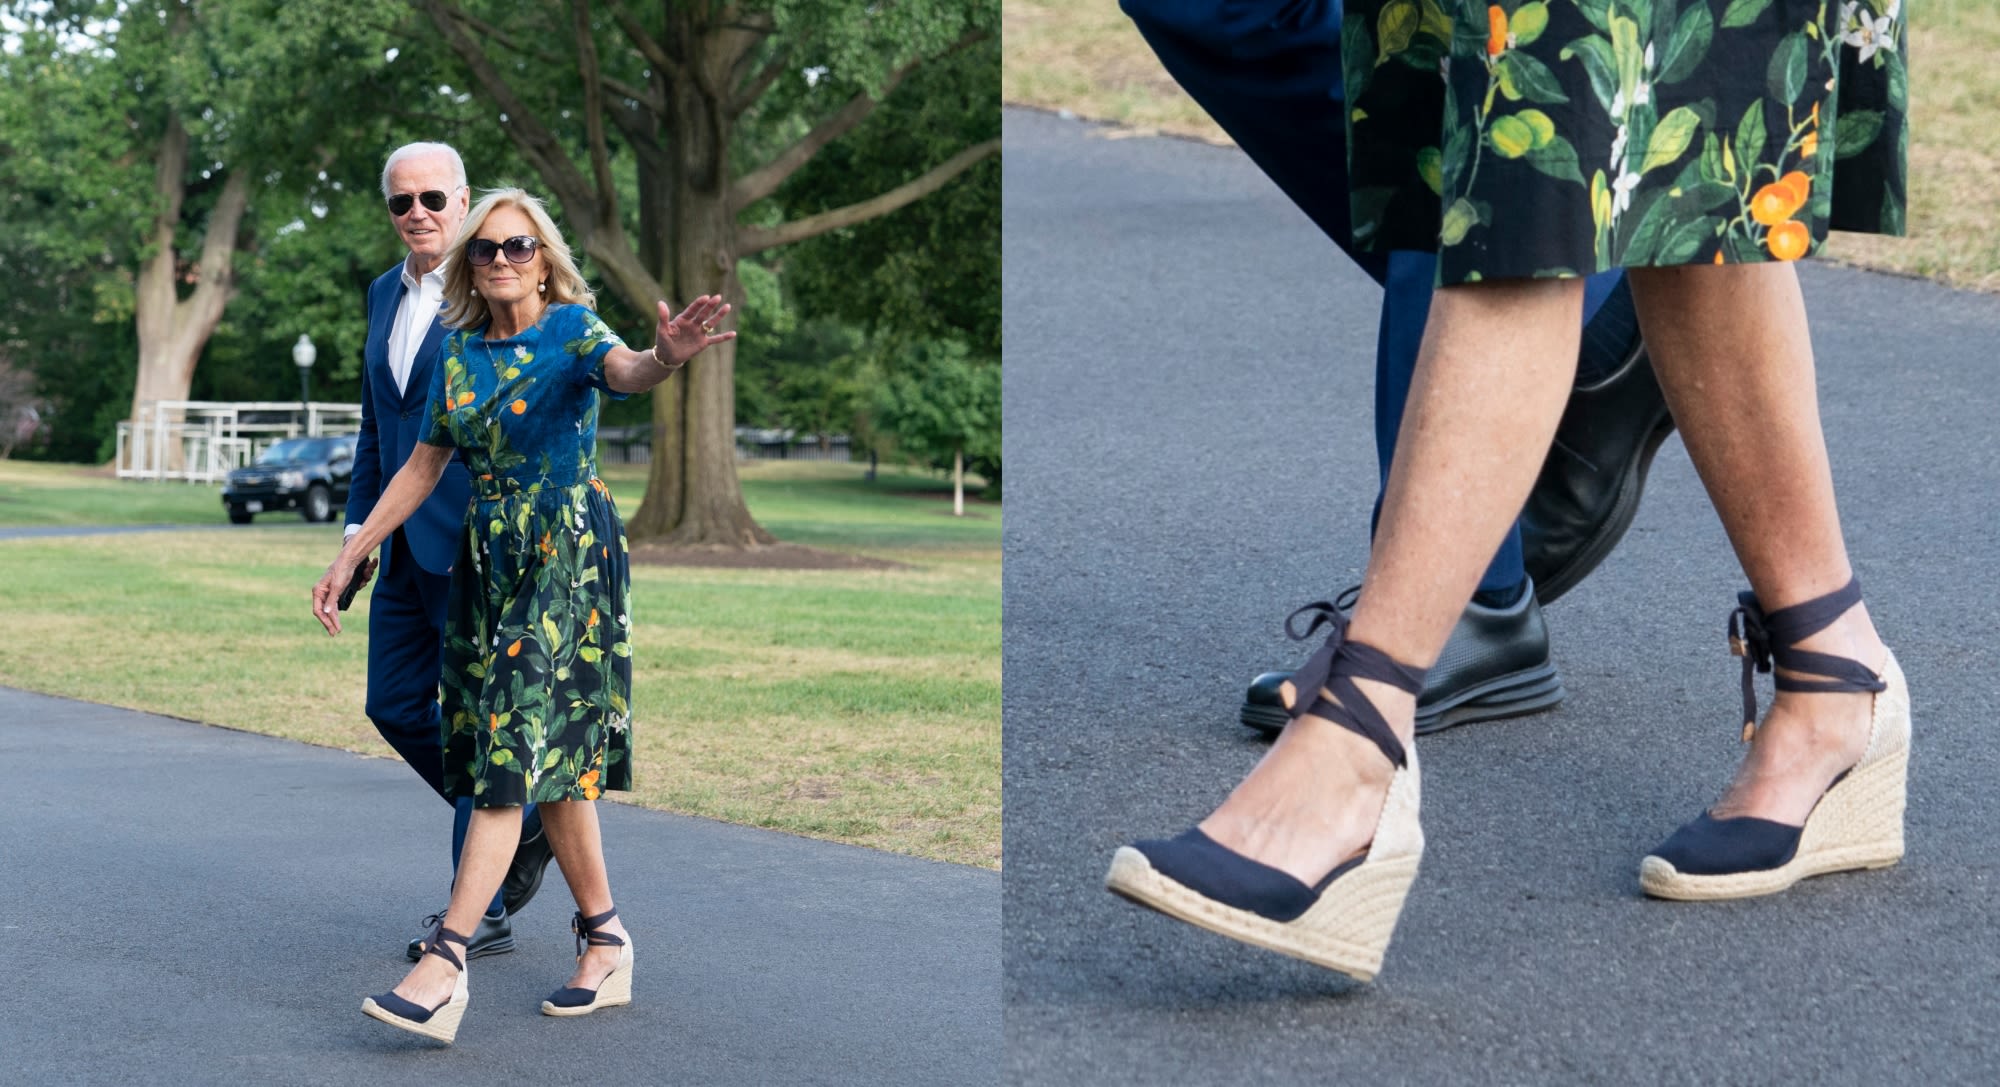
(1345, 921)
(615, 989)
(440, 1022)
(1857, 824)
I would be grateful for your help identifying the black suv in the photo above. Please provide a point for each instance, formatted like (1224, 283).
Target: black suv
(305, 474)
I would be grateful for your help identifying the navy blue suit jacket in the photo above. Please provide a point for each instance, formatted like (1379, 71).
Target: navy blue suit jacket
(391, 425)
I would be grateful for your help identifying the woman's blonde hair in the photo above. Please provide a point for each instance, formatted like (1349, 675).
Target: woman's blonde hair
(464, 309)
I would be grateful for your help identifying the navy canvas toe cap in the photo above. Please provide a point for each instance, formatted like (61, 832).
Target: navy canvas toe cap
(1719, 847)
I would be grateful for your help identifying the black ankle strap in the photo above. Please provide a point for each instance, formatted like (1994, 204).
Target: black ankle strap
(1766, 639)
(1335, 665)
(586, 932)
(439, 949)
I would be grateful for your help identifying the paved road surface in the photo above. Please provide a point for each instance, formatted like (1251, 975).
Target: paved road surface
(187, 904)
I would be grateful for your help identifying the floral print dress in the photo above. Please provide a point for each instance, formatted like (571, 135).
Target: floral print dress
(1557, 138)
(538, 634)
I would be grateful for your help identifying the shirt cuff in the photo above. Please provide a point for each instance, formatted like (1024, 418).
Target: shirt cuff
(351, 530)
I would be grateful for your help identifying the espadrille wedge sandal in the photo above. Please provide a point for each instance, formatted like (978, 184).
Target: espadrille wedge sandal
(1857, 823)
(440, 1022)
(1344, 921)
(615, 989)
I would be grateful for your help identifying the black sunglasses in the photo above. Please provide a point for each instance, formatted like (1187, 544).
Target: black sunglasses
(520, 249)
(400, 204)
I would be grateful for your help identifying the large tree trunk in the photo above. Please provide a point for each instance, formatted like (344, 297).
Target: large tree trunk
(692, 494)
(172, 331)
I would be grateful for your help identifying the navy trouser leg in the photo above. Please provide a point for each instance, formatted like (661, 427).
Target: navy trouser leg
(405, 657)
(1268, 71)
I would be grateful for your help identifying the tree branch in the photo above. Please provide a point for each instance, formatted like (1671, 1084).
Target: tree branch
(750, 240)
(535, 142)
(763, 181)
(593, 117)
(648, 47)
(740, 103)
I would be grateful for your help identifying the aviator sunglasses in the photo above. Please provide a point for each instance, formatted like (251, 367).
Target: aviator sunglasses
(400, 204)
(520, 249)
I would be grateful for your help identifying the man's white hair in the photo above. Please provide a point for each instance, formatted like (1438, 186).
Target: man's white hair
(420, 150)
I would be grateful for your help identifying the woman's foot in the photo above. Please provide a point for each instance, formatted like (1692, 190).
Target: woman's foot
(431, 981)
(1314, 800)
(1808, 739)
(598, 960)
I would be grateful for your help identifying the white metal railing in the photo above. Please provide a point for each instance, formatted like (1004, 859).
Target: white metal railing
(199, 441)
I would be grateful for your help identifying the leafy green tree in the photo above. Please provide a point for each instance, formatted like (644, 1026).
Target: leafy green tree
(944, 410)
(719, 105)
(931, 271)
(145, 143)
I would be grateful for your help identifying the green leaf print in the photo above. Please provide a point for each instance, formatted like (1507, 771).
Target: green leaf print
(1742, 13)
(1750, 133)
(500, 756)
(591, 654)
(1629, 54)
(1357, 55)
(549, 760)
(1522, 76)
(1688, 45)
(1597, 11)
(1460, 218)
(1787, 75)
(1595, 55)
(1435, 23)
(1685, 241)
(1899, 84)
(1430, 166)
(555, 635)
(1396, 25)
(1854, 132)
(1671, 139)
(1557, 159)
(1663, 12)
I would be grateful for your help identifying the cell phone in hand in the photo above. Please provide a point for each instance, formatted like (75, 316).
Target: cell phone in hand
(363, 570)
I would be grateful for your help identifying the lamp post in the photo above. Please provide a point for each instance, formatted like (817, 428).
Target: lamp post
(303, 354)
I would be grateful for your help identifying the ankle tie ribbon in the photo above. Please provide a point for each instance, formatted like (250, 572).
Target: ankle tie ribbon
(1763, 639)
(1335, 665)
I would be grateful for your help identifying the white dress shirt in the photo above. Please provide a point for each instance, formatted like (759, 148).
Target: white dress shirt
(422, 298)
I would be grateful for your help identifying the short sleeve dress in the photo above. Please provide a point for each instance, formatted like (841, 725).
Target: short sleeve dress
(1557, 138)
(537, 681)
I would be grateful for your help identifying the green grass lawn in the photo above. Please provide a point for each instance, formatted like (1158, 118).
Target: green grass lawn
(861, 706)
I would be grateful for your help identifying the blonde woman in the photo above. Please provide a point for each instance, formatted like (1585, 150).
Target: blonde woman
(537, 660)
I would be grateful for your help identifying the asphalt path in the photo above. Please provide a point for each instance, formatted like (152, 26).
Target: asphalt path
(1189, 456)
(187, 904)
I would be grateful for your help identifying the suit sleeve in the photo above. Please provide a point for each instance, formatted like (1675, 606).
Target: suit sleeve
(366, 485)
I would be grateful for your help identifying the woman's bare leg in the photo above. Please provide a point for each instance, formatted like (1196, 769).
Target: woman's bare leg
(579, 849)
(1731, 349)
(490, 840)
(1491, 380)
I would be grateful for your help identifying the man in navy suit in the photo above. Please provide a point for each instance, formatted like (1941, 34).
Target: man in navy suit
(424, 184)
(1269, 72)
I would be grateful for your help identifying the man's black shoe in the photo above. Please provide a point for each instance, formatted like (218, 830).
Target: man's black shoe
(494, 934)
(531, 861)
(1495, 665)
(1588, 491)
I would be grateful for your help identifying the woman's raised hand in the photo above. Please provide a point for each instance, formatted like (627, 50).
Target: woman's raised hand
(326, 594)
(681, 337)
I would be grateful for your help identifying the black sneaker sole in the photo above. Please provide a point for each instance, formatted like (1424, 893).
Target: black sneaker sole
(477, 951)
(1516, 694)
